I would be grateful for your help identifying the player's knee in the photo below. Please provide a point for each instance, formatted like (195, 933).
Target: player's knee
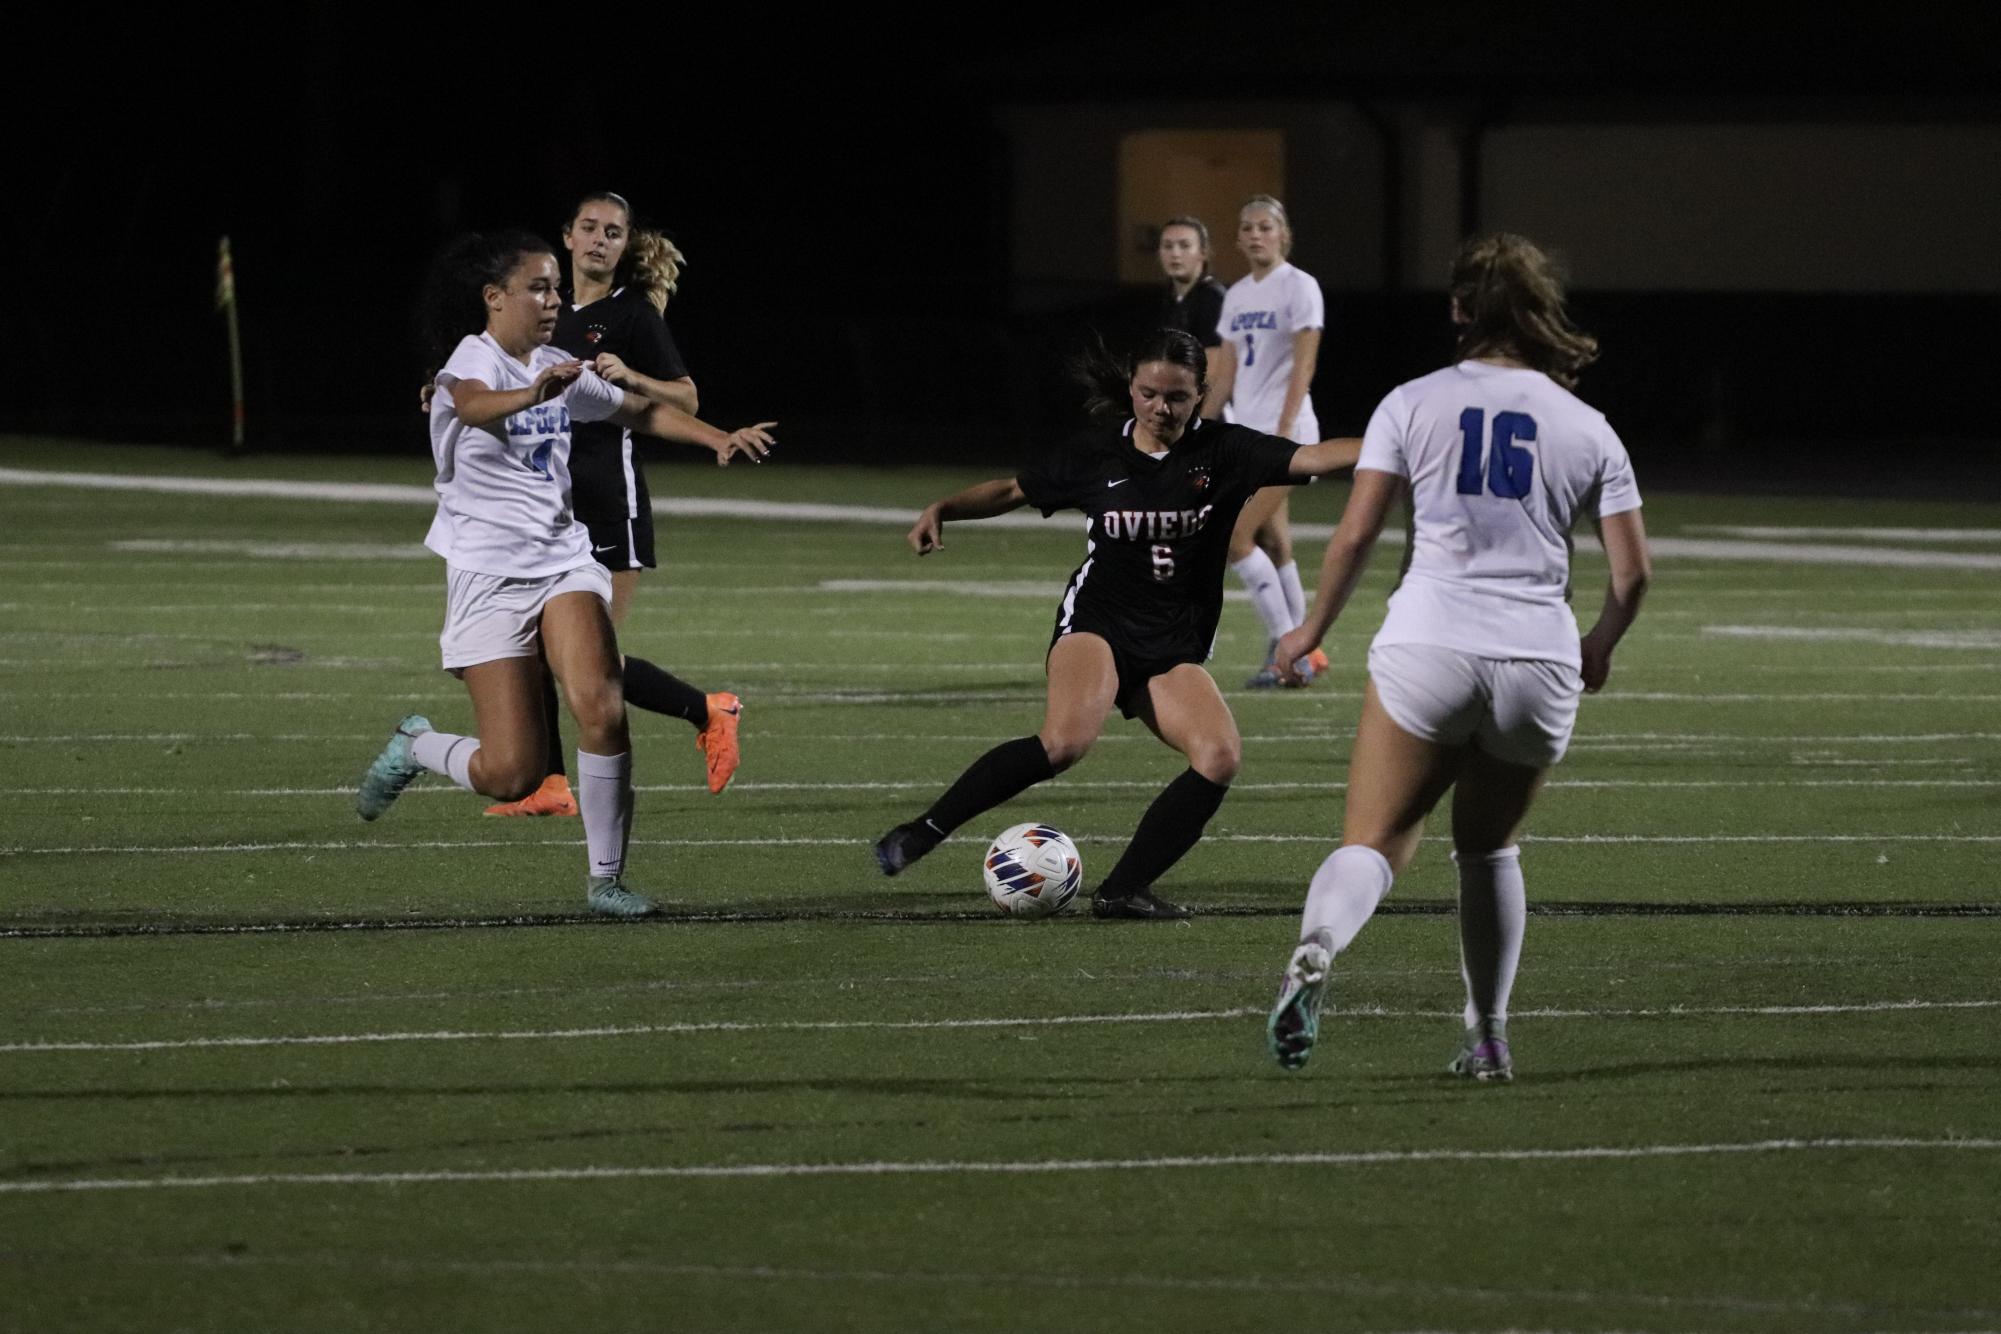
(1065, 749)
(508, 777)
(598, 705)
(1217, 758)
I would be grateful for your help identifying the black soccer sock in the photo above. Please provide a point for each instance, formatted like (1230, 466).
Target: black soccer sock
(657, 691)
(1170, 827)
(552, 737)
(1010, 768)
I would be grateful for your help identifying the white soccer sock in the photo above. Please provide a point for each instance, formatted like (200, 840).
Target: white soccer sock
(604, 796)
(444, 753)
(1295, 592)
(1493, 913)
(1345, 891)
(1261, 577)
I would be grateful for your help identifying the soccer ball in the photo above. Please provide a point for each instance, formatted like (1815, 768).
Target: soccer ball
(1033, 871)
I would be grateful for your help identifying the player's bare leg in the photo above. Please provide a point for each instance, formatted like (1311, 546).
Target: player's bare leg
(1186, 710)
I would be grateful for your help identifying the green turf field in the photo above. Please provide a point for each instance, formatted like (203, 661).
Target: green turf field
(264, 1067)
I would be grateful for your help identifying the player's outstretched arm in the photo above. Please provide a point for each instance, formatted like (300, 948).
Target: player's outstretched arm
(670, 423)
(1325, 457)
(1624, 536)
(975, 502)
(1341, 569)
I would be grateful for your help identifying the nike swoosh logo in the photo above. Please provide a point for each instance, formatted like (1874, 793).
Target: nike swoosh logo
(612, 547)
(1121, 482)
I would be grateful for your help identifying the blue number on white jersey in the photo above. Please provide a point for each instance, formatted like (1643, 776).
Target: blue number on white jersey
(1509, 470)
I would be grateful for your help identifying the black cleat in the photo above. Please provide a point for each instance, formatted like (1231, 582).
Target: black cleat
(896, 850)
(1138, 906)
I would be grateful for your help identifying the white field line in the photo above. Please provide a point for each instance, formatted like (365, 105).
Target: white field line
(1013, 1167)
(898, 516)
(398, 847)
(1055, 786)
(1955, 639)
(686, 1028)
(1767, 534)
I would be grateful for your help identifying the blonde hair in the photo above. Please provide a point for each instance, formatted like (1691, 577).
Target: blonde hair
(1509, 296)
(1277, 211)
(656, 265)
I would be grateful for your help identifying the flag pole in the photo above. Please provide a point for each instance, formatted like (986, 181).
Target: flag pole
(225, 301)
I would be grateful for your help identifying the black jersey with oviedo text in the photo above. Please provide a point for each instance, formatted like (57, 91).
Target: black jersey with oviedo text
(1196, 313)
(605, 480)
(1159, 533)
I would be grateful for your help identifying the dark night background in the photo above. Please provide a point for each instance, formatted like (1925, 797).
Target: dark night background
(841, 182)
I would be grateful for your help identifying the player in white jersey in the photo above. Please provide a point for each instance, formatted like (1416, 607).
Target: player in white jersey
(521, 582)
(1475, 675)
(1271, 323)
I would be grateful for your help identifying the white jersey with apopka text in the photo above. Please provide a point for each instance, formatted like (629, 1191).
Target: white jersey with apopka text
(504, 489)
(1260, 320)
(1501, 461)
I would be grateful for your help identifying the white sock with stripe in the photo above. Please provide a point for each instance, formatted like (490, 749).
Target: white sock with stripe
(444, 753)
(1261, 577)
(604, 797)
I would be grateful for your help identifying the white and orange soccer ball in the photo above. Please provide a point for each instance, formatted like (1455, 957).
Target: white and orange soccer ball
(1033, 871)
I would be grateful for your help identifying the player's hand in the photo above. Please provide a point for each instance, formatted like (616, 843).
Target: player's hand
(1293, 645)
(928, 535)
(1597, 664)
(425, 395)
(613, 368)
(753, 442)
(554, 380)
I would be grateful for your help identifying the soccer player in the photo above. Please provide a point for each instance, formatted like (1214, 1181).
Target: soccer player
(1160, 490)
(1475, 675)
(620, 278)
(521, 584)
(1271, 323)
(1193, 299)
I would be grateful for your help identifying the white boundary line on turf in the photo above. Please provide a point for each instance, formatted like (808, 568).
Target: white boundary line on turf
(687, 1027)
(1057, 785)
(1017, 1167)
(692, 507)
(576, 840)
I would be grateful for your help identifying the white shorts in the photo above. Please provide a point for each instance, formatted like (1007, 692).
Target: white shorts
(492, 616)
(1518, 710)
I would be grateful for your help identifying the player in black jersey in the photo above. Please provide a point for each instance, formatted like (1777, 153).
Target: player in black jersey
(1162, 492)
(1193, 299)
(620, 279)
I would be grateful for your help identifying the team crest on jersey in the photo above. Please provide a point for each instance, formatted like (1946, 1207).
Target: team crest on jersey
(594, 335)
(1199, 479)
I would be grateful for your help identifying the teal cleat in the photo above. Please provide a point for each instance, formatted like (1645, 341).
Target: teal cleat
(392, 770)
(610, 898)
(1295, 1017)
(1483, 1054)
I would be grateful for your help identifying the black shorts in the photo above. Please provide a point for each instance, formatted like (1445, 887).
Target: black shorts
(1136, 670)
(622, 544)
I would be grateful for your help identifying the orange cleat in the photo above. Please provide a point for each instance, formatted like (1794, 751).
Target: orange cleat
(717, 741)
(552, 798)
(1318, 660)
